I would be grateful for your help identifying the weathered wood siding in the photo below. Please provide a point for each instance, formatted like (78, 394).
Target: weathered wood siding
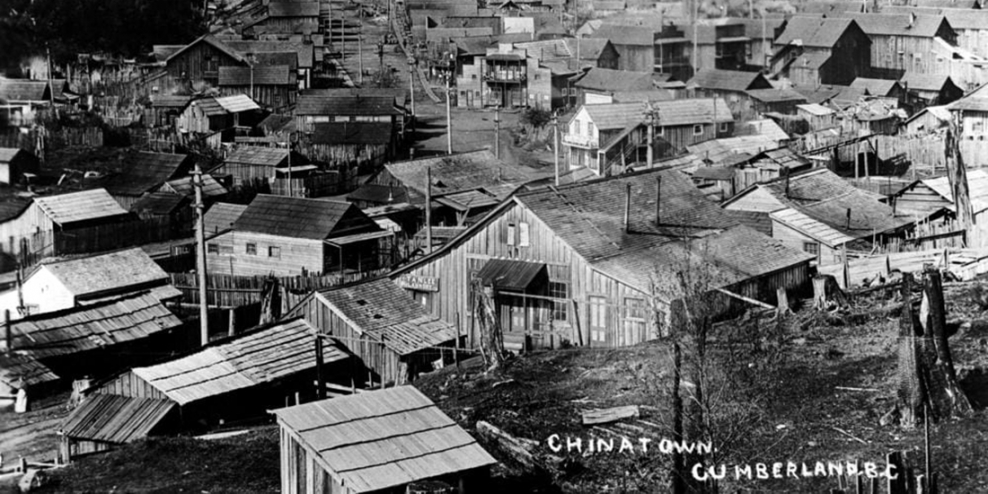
(920, 201)
(276, 97)
(243, 173)
(453, 272)
(31, 222)
(201, 62)
(758, 200)
(129, 384)
(797, 240)
(296, 255)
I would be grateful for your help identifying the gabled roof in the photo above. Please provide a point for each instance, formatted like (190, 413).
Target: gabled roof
(297, 217)
(346, 103)
(115, 419)
(259, 357)
(817, 96)
(728, 80)
(169, 101)
(304, 51)
(94, 326)
(263, 75)
(146, 171)
(184, 186)
(776, 95)
(925, 82)
(925, 26)
(80, 206)
(814, 31)
(160, 203)
(23, 90)
(100, 274)
(12, 207)
(221, 216)
(258, 156)
(369, 133)
(977, 181)
(875, 87)
(716, 150)
(293, 9)
(811, 227)
(671, 113)
(600, 79)
(8, 154)
(383, 439)
(212, 41)
(385, 312)
(461, 172)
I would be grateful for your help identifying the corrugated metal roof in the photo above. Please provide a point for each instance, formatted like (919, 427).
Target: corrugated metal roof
(93, 326)
(298, 217)
(256, 358)
(115, 419)
(258, 156)
(19, 370)
(80, 206)
(221, 217)
(383, 311)
(512, 274)
(101, 273)
(237, 103)
(145, 171)
(383, 439)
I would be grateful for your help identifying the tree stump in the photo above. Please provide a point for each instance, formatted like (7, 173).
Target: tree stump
(429, 487)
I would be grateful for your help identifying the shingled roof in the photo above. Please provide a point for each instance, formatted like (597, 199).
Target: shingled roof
(601, 79)
(728, 80)
(460, 172)
(97, 275)
(924, 26)
(875, 87)
(80, 206)
(258, 156)
(298, 217)
(346, 103)
(221, 216)
(145, 171)
(672, 113)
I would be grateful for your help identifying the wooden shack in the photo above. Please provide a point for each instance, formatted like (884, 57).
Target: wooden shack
(248, 164)
(144, 172)
(336, 445)
(14, 163)
(103, 422)
(383, 326)
(217, 114)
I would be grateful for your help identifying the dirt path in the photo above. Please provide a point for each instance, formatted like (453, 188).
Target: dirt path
(31, 435)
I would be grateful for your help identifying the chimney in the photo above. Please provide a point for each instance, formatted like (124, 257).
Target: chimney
(627, 209)
(658, 200)
(848, 225)
(912, 20)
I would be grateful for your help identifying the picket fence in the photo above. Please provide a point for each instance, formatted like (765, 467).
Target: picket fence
(223, 290)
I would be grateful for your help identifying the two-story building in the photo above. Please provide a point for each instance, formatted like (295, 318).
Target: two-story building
(813, 51)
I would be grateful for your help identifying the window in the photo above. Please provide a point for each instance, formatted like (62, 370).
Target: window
(723, 127)
(559, 290)
(422, 298)
(598, 319)
(811, 248)
(633, 324)
(565, 91)
(697, 130)
(274, 252)
(511, 234)
(212, 249)
(252, 249)
(589, 129)
(634, 308)
(523, 240)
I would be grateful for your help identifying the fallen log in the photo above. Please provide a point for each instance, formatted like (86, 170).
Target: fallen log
(607, 415)
(520, 449)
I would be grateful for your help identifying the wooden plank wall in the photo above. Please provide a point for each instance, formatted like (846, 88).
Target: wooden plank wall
(129, 384)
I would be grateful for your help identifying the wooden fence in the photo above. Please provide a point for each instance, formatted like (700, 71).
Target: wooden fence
(328, 184)
(867, 270)
(40, 141)
(899, 475)
(227, 291)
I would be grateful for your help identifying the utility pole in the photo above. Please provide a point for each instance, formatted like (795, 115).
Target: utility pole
(292, 138)
(497, 132)
(449, 117)
(651, 117)
(428, 209)
(360, 44)
(201, 255)
(51, 88)
(251, 60)
(696, 14)
(411, 83)
(555, 144)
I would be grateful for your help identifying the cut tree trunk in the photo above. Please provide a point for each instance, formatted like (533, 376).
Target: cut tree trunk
(491, 338)
(608, 415)
(521, 450)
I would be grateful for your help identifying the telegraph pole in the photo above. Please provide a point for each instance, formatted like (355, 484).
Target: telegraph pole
(411, 83)
(360, 44)
(497, 132)
(428, 209)
(555, 144)
(201, 255)
(449, 118)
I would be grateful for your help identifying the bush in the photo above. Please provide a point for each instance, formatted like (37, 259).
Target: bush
(536, 117)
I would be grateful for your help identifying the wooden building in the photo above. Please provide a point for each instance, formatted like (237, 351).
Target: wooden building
(730, 85)
(814, 51)
(367, 145)
(285, 18)
(199, 61)
(927, 121)
(598, 85)
(212, 190)
(345, 105)
(924, 90)
(383, 326)
(680, 123)
(144, 172)
(273, 86)
(234, 378)
(99, 338)
(15, 163)
(907, 42)
(247, 164)
(566, 267)
(762, 101)
(341, 450)
(103, 422)
(924, 199)
(817, 116)
(217, 114)
(62, 284)
(635, 46)
(821, 214)
(20, 371)
(165, 109)
(72, 223)
(290, 236)
(173, 210)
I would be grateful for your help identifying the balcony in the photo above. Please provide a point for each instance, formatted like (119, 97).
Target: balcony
(580, 141)
(502, 76)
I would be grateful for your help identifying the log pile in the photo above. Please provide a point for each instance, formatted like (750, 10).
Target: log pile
(521, 450)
